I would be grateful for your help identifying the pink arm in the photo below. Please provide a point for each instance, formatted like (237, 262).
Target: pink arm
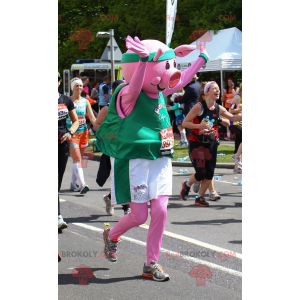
(186, 76)
(128, 95)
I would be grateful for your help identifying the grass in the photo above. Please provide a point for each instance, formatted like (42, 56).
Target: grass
(183, 151)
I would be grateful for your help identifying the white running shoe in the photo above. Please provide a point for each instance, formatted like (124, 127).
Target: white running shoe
(109, 209)
(237, 160)
(61, 223)
(237, 170)
(74, 187)
(213, 196)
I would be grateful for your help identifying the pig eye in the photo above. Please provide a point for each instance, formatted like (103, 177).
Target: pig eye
(167, 65)
(174, 64)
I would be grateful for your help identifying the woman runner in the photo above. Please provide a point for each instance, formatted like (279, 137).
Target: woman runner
(203, 146)
(80, 139)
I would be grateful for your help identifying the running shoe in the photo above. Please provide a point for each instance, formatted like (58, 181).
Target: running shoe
(180, 144)
(227, 139)
(127, 211)
(213, 196)
(84, 189)
(196, 186)
(74, 187)
(61, 223)
(200, 201)
(110, 248)
(237, 170)
(184, 193)
(155, 271)
(185, 144)
(109, 209)
(237, 160)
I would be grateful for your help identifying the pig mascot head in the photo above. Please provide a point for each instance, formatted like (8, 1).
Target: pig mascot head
(161, 72)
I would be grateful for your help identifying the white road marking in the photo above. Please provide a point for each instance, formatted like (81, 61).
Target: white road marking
(233, 183)
(196, 260)
(196, 242)
(62, 200)
(77, 234)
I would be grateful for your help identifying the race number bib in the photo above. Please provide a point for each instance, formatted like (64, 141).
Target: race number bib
(167, 141)
(81, 121)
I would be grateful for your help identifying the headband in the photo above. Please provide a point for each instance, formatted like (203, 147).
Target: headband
(77, 81)
(133, 57)
(207, 86)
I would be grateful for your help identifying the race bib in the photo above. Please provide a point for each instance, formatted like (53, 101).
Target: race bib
(81, 121)
(167, 141)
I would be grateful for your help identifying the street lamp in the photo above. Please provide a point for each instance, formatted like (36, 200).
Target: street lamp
(110, 34)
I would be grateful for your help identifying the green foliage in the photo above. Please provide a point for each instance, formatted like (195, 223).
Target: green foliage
(145, 19)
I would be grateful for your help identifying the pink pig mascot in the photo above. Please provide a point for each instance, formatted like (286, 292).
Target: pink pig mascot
(142, 145)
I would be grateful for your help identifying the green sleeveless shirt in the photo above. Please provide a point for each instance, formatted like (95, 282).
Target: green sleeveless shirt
(145, 133)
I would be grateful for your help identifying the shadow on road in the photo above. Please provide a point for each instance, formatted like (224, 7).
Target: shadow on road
(209, 222)
(235, 242)
(65, 279)
(90, 219)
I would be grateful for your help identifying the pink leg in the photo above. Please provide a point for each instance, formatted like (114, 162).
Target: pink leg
(157, 226)
(138, 216)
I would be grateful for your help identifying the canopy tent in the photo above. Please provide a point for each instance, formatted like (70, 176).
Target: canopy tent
(224, 49)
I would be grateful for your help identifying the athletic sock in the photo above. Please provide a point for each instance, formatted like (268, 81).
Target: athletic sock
(187, 183)
(79, 173)
(74, 177)
(200, 195)
(183, 136)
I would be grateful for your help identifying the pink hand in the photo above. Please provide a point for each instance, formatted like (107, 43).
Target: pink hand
(203, 50)
(136, 46)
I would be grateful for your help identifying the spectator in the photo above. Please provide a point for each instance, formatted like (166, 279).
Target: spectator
(86, 86)
(227, 99)
(104, 92)
(95, 96)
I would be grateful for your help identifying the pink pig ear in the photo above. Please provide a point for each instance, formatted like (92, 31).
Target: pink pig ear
(158, 54)
(184, 50)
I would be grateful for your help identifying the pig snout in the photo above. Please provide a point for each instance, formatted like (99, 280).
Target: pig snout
(170, 79)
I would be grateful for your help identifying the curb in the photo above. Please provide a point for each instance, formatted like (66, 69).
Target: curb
(182, 163)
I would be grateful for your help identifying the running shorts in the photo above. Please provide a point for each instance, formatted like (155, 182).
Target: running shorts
(179, 119)
(80, 138)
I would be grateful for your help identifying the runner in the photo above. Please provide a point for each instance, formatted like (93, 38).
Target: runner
(213, 195)
(177, 107)
(141, 155)
(236, 129)
(80, 139)
(65, 107)
(204, 144)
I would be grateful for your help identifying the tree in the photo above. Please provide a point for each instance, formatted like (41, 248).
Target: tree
(144, 18)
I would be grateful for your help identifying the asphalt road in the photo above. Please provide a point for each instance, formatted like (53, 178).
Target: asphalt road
(211, 237)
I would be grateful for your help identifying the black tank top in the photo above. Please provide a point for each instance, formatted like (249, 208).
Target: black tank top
(212, 114)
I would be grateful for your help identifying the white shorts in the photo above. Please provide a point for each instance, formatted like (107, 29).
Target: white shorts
(140, 180)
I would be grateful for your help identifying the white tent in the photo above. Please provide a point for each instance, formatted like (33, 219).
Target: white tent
(224, 49)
